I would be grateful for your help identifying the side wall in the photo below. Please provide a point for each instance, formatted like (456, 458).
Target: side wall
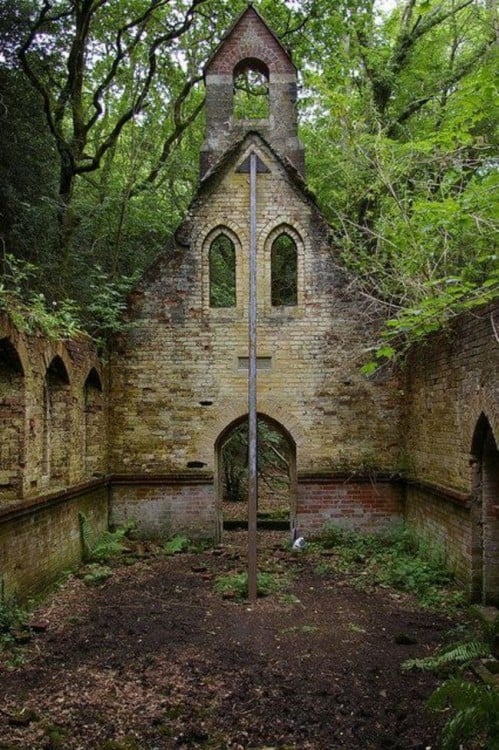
(53, 455)
(38, 542)
(452, 385)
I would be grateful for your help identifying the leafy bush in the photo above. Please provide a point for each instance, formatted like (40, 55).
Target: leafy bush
(398, 559)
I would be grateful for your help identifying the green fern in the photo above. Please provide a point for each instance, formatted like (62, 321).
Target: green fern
(457, 654)
(108, 545)
(475, 709)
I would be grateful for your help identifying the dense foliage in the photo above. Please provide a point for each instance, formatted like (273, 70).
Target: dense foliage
(101, 123)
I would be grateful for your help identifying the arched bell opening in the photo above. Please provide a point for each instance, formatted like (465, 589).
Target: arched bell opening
(251, 90)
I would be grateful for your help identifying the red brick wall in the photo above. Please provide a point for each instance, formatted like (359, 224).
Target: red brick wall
(364, 506)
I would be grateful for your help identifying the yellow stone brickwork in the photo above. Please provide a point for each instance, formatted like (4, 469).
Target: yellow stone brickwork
(179, 375)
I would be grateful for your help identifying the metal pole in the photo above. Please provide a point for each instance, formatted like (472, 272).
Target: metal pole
(252, 413)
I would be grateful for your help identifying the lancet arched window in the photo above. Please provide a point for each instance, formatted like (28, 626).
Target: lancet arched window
(251, 90)
(284, 271)
(222, 260)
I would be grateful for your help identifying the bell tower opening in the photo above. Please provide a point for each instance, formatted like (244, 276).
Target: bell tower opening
(251, 90)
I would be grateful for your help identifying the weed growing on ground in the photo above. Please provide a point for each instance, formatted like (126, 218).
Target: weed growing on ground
(14, 631)
(236, 584)
(176, 544)
(13, 619)
(398, 560)
(96, 574)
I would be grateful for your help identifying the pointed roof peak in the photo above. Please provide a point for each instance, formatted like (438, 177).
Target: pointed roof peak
(248, 13)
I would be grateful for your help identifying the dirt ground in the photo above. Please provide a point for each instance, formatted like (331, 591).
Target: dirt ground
(156, 659)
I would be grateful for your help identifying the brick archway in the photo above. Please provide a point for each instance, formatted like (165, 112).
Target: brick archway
(485, 514)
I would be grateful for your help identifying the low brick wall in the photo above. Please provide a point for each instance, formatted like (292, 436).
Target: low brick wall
(365, 505)
(165, 506)
(444, 522)
(39, 541)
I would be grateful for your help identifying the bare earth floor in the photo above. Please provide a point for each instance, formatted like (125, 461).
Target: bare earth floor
(156, 659)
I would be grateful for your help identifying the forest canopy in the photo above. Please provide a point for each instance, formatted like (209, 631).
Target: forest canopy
(101, 122)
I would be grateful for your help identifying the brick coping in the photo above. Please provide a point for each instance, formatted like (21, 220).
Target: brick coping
(58, 497)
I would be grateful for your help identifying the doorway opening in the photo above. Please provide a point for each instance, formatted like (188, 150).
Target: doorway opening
(485, 515)
(276, 457)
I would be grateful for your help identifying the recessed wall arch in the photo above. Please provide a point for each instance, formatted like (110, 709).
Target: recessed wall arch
(485, 513)
(93, 424)
(56, 433)
(12, 413)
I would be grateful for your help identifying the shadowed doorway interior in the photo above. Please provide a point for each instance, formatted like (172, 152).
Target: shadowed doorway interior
(276, 473)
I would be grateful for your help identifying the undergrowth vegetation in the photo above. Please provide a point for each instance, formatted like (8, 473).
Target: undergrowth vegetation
(235, 585)
(399, 560)
(13, 623)
(471, 707)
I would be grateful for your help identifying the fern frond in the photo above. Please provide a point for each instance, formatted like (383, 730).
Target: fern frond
(475, 709)
(460, 653)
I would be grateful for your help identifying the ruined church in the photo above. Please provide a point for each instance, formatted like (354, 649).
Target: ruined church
(141, 436)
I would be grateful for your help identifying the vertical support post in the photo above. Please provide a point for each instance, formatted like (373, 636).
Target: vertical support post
(252, 409)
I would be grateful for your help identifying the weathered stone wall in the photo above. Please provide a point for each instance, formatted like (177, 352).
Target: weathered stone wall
(165, 507)
(38, 542)
(370, 506)
(179, 378)
(452, 387)
(53, 414)
(452, 380)
(53, 454)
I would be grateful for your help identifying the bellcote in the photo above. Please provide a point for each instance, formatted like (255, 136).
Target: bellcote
(251, 86)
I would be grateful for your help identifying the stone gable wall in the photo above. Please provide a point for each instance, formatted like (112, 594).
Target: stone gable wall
(177, 382)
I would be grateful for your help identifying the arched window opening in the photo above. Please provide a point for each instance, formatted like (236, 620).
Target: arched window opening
(284, 271)
(222, 272)
(251, 90)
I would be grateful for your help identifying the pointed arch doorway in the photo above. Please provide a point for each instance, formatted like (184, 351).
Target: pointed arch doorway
(276, 473)
(485, 514)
